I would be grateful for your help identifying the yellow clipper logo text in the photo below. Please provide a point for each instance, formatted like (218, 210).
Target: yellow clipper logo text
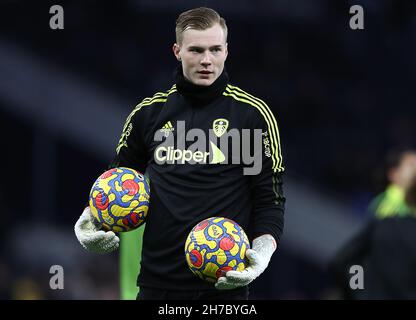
(220, 126)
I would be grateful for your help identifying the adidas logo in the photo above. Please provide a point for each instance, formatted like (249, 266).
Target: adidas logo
(167, 128)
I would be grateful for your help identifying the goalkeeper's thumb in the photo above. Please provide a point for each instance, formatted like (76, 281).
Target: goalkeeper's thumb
(88, 233)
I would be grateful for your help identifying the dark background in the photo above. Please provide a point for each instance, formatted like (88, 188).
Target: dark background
(342, 98)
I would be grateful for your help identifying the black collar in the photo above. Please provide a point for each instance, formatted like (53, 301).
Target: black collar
(200, 94)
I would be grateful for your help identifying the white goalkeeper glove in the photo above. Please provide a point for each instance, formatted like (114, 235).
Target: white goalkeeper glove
(258, 257)
(88, 232)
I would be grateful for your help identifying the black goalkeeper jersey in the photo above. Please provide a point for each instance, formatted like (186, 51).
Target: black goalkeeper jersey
(188, 184)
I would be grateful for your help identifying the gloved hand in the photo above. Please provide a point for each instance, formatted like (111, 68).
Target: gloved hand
(258, 257)
(88, 232)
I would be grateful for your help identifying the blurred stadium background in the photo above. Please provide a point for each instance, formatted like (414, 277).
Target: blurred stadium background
(342, 99)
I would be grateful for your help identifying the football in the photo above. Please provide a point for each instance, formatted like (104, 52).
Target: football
(215, 246)
(119, 199)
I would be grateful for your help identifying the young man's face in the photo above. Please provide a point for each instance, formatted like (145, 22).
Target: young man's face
(203, 54)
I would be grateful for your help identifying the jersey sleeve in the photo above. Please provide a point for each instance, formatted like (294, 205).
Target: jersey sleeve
(267, 185)
(131, 150)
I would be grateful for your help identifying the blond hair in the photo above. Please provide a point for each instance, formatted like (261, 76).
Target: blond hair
(199, 19)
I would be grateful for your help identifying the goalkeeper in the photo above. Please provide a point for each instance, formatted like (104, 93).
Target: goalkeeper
(188, 186)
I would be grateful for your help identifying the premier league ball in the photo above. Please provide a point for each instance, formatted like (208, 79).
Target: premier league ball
(119, 199)
(215, 246)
